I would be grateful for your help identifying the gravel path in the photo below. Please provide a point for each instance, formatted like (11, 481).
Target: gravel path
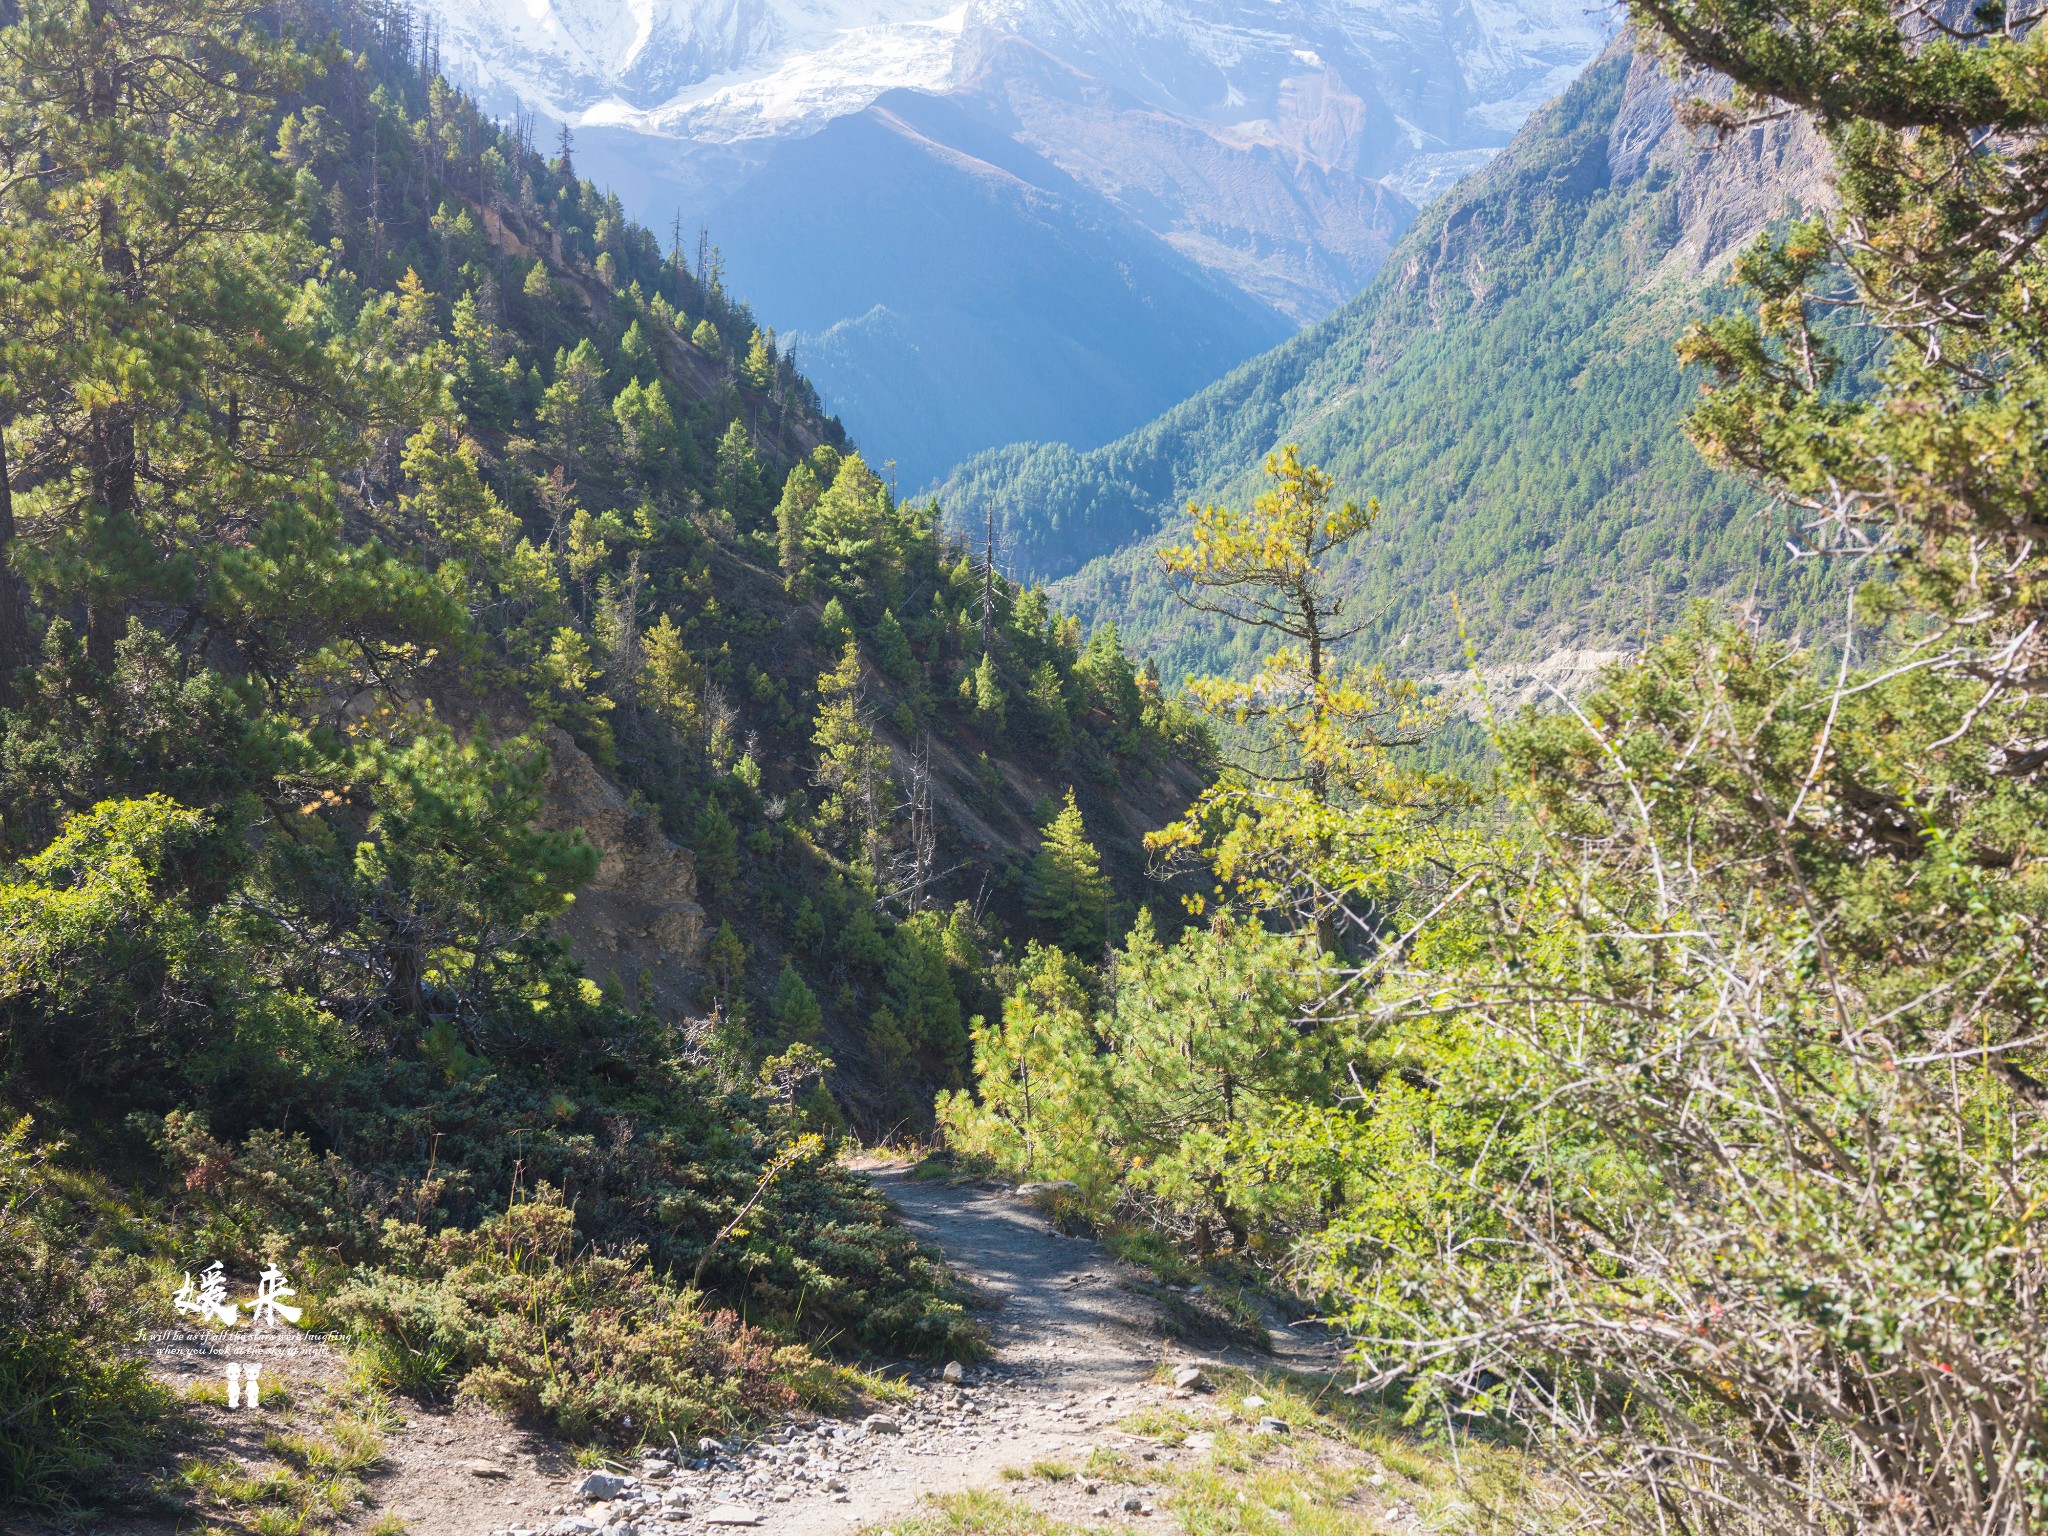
(1075, 1350)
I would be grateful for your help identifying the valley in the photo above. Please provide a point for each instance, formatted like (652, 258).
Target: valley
(1411, 909)
(1134, 154)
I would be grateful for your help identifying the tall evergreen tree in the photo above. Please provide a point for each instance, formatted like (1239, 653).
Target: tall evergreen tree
(1068, 892)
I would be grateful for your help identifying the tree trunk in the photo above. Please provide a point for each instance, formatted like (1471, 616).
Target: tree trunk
(14, 634)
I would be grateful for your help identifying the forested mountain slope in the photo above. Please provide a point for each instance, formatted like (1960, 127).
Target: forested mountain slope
(949, 288)
(487, 779)
(1506, 388)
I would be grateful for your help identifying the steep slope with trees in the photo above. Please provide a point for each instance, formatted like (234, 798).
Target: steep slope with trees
(1505, 388)
(397, 545)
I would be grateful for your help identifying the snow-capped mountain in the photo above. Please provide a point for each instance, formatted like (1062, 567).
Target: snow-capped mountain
(1413, 80)
(987, 219)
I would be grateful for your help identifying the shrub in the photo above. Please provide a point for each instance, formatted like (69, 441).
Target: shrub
(73, 1406)
(591, 1345)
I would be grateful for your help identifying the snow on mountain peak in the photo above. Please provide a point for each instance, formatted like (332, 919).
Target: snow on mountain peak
(1464, 73)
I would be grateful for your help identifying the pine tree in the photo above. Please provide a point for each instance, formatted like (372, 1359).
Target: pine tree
(172, 472)
(671, 681)
(739, 485)
(574, 411)
(988, 694)
(853, 765)
(647, 431)
(636, 355)
(716, 844)
(725, 961)
(1049, 707)
(892, 648)
(800, 492)
(835, 629)
(794, 1010)
(851, 531)
(1067, 891)
(759, 367)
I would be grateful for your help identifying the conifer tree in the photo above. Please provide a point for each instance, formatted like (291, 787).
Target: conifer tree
(739, 485)
(800, 492)
(892, 648)
(1068, 893)
(150, 325)
(574, 410)
(853, 764)
(794, 1009)
(1312, 736)
(636, 355)
(717, 846)
(835, 629)
(986, 693)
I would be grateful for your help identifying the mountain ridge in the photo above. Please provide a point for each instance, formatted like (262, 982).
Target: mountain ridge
(1506, 386)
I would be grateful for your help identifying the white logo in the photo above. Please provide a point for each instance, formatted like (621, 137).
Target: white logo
(242, 1385)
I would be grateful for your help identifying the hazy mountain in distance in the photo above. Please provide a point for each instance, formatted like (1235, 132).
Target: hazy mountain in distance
(942, 284)
(1506, 387)
(1279, 146)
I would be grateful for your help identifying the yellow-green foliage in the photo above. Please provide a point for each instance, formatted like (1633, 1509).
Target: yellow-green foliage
(509, 1314)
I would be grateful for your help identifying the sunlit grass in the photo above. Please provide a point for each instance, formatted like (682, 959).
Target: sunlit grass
(311, 1481)
(1342, 1467)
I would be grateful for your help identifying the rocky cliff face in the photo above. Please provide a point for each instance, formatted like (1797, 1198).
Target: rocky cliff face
(1726, 189)
(1269, 206)
(638, 918)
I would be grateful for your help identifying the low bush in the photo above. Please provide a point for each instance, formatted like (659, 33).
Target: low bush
(74, 1404)
(590, 1345)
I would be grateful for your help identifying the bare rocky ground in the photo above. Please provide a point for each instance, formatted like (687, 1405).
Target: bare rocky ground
(1077, 1349)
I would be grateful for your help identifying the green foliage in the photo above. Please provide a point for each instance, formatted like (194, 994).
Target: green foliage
(76, 1405)
(301, 458)
(717, 846)
(1175, 1081)
(794, 1008)
(1067, 893)
(892, 648)
(983, 690)
(835, 630)
(1520, 426)
(593, 1347)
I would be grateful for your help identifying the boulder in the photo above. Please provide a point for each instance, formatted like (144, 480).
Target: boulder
(603, 1485)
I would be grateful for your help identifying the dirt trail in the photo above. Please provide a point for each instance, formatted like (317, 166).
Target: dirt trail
(1075, 1349)
(1077, 1346)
